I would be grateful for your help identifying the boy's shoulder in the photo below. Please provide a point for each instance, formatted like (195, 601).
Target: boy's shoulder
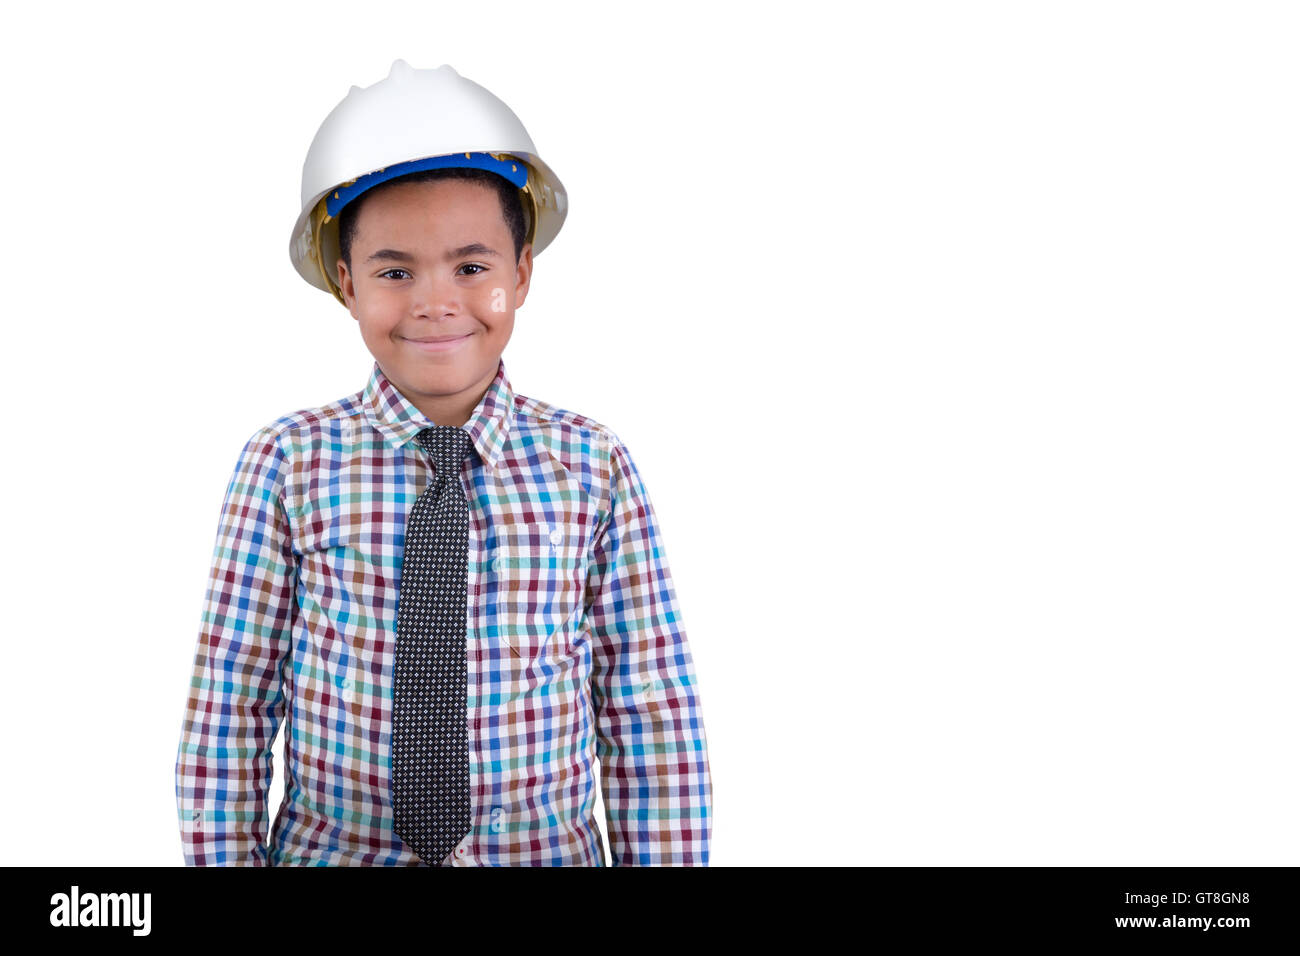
(535, 413)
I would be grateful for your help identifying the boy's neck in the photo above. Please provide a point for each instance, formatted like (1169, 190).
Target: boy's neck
(455, 409)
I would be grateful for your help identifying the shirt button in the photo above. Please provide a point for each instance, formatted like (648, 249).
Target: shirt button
(460, 852)
(496, 564)
(557, 536)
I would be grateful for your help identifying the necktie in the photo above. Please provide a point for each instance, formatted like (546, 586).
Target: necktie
(431, 806)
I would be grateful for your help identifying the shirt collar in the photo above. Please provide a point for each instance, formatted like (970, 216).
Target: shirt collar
(399, 421)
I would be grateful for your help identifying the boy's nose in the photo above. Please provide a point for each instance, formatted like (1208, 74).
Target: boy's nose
(432, 296)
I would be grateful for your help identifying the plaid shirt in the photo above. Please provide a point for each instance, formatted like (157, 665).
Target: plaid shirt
(577, 651)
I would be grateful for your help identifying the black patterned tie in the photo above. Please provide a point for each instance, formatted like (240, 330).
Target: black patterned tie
(431, 806)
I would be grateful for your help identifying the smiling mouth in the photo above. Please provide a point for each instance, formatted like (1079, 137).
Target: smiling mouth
(438, 343)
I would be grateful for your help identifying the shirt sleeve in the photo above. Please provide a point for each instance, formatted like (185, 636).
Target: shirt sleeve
(236, 698)
(650, 733)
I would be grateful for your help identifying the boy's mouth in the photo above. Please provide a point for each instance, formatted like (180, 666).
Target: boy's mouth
(439, 343)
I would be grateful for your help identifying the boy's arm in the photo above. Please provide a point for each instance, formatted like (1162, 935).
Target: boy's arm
(650, 732)
(236, 701)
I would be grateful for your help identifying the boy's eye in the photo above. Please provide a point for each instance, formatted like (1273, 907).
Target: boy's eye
(390, 271)
(473, 265)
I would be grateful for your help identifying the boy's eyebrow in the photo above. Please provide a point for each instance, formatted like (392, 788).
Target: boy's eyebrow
(396, 255)
(473, 249)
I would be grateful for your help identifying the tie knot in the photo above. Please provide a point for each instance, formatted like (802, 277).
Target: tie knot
(448, 445)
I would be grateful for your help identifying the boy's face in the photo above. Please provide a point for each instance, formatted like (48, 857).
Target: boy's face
(431, 261)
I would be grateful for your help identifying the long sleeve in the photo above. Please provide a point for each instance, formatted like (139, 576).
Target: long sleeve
(650, 732)
(236, 697)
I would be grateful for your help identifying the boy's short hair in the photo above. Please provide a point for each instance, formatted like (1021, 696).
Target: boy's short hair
(512, 207)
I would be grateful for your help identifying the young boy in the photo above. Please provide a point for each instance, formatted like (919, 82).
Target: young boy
(455, 597)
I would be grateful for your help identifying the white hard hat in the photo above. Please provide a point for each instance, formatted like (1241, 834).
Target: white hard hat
(382, 131)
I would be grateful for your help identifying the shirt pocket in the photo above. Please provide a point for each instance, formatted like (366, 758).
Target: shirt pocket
(535, 599)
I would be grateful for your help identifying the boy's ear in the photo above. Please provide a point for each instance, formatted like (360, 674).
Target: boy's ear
(523, 273)
(345, 286)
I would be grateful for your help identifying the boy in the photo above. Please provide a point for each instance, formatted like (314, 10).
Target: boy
(454, 596)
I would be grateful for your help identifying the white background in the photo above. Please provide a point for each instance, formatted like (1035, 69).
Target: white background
(956, 344)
